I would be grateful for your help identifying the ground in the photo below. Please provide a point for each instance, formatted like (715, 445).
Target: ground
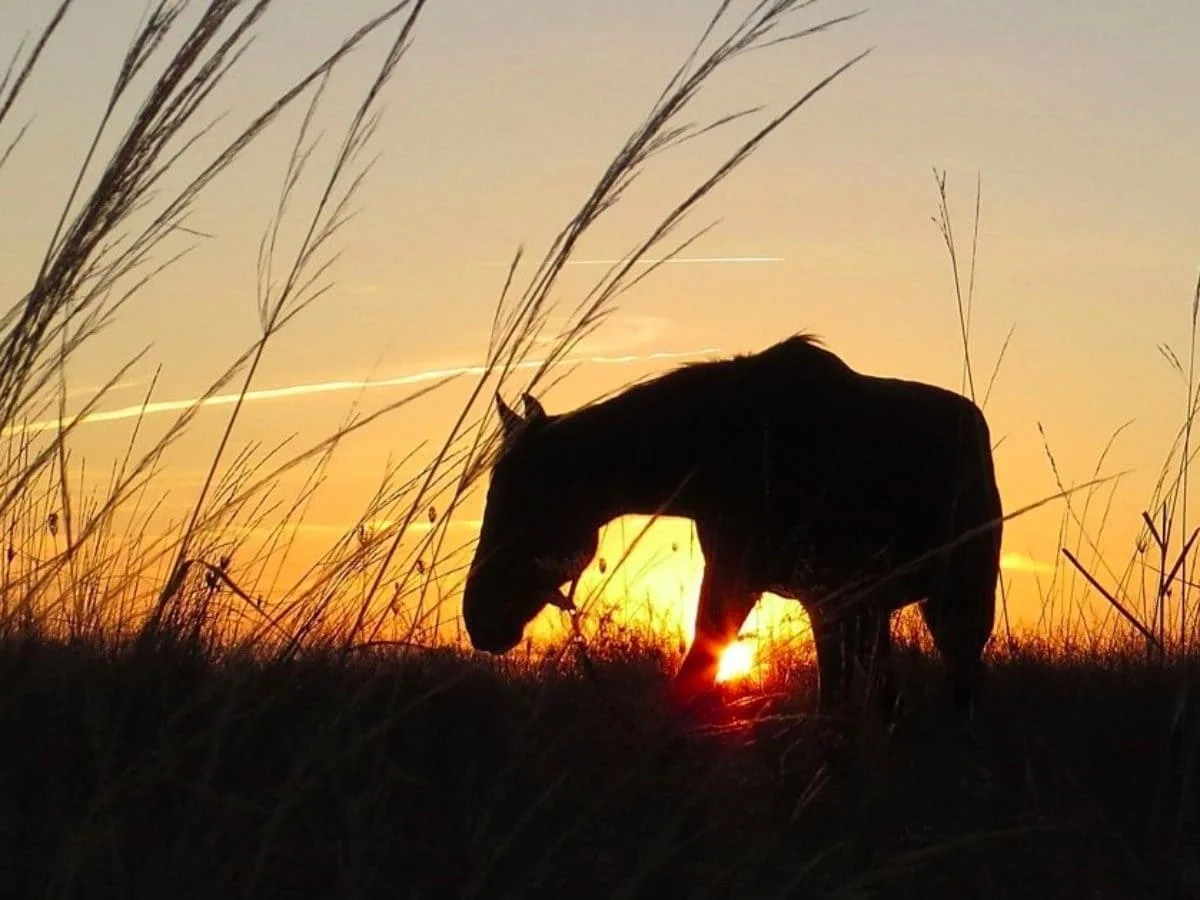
(437, 774)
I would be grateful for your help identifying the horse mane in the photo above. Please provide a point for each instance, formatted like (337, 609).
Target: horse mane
(632, 392)
(804, 338)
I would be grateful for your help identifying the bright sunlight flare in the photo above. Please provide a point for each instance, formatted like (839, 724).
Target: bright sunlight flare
(736, 661)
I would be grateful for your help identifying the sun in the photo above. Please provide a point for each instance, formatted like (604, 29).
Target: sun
(736, 661)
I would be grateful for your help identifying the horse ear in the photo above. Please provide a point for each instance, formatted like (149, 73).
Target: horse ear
(510, 419)
(533, 409)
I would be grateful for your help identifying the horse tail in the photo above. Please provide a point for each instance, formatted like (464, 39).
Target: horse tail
(961, 609)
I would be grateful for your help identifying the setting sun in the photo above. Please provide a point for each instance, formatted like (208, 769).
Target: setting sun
(736, 661)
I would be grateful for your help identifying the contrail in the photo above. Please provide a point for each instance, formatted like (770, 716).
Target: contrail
(329, 387)
(679, 260)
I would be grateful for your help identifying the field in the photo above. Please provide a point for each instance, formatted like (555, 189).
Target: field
(429, 775)
(176, 720)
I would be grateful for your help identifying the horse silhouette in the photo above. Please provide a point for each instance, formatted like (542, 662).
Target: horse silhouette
(854, 494)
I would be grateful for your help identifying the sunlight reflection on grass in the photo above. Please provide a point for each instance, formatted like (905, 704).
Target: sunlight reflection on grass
(737, 660)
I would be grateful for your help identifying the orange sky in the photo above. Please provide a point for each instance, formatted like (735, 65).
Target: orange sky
(1079, 116)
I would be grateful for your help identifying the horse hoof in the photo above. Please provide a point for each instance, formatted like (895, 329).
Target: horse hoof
(693, 710)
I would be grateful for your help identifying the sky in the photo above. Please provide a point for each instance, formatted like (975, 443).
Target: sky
(1077, 117)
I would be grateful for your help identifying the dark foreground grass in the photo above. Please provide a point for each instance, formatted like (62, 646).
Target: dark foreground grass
(438, 775)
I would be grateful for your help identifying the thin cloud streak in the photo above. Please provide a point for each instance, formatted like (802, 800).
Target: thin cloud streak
(330, 387)
(680, 261)
(1019, 562)
(376, 528)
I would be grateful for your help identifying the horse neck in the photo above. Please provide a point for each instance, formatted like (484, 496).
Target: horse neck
(611, 478)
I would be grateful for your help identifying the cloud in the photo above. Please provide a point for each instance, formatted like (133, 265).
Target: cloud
(418, 526)
(672, 261)
(289, 392)
(619, 334)
(683, 261)
(91, 390)
(1019, 562)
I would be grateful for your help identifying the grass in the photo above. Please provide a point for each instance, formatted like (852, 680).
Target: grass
(179, 720)
(434, 773)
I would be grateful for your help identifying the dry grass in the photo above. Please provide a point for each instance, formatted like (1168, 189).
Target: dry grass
(437, 774)
(183, 721)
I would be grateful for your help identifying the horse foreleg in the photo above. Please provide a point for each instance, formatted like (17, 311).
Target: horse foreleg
(874, 653)
(834, 663)
(720, 613)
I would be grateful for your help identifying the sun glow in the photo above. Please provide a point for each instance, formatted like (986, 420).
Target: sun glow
(736, 661)
(645, 580)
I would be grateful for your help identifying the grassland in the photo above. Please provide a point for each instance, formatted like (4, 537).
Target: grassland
(165, 772)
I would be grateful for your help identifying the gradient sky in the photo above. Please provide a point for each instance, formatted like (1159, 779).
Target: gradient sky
(1079, 116)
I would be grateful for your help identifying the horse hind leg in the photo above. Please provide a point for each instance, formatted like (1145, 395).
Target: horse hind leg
(960, 614)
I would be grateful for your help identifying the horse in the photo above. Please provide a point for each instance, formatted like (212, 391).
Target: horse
(854, 494)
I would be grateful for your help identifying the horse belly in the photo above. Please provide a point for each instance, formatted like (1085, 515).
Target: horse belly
(806, 560)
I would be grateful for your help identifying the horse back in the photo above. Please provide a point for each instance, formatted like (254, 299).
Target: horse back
(822, 467)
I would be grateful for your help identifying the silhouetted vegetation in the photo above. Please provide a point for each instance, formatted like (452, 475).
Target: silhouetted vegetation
(434, 774)
(175, 721)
